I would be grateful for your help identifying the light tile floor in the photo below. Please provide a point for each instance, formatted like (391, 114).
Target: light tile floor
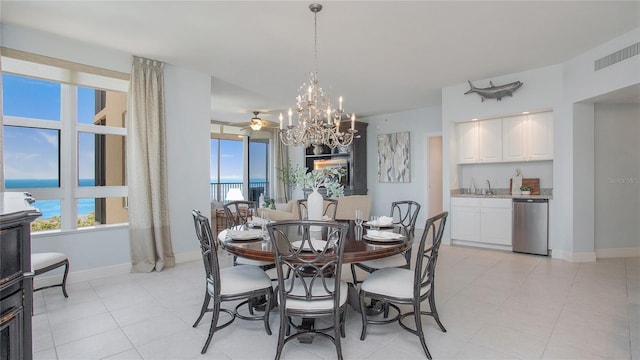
(495, 305)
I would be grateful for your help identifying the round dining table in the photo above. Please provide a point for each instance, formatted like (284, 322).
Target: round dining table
(357, 247)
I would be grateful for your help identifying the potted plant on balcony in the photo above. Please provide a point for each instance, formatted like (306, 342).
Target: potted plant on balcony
(525, 189)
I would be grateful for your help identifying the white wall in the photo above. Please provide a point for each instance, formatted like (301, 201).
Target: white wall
(417, 123)
(500, 174)
(581, 82)
(188, 103)
(617, 183)
(187, 108)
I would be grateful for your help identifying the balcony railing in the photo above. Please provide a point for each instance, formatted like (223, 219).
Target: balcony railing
(219, 190)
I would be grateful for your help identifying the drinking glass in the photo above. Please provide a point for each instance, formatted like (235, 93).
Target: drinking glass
(265, 220)
(358, 217)
(373, 223)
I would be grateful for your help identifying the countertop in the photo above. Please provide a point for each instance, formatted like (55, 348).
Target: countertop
(504, 194)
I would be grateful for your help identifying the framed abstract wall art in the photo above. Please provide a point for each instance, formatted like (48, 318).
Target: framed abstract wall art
(394, 163)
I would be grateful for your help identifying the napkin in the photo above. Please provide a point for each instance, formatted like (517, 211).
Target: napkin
(257, 221)
(382, 221)
(384, 234)
(243, 234)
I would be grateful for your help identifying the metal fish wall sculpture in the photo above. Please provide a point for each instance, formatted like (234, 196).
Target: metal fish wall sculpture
(495, 92)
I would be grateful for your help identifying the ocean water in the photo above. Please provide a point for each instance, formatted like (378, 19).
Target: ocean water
(51, 208)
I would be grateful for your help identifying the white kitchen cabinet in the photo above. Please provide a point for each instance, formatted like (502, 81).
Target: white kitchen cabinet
(527, 137)
(541, 136)
(480, 141)
(514, 139)
(481, 220)
(490, 140)
(495, 221)
(467, 134)
(465, 219)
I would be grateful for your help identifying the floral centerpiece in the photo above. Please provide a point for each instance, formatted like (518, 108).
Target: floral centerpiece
(329, 178)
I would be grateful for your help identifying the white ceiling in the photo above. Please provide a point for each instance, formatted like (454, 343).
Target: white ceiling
(381, 56)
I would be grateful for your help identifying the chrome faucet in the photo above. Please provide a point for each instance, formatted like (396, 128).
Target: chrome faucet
(489, 191)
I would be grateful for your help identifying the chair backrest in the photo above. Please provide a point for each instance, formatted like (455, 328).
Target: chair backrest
(312, 256)
(208, 248)
(239, 212)
(330, 207)
(425, 270)
(405, 214)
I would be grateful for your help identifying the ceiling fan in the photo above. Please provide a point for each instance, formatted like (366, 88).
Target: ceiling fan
(257, 123)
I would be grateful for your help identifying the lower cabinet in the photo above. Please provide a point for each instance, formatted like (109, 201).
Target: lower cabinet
(483, 220)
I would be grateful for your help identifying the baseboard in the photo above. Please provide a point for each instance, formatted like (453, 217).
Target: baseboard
(618, 252)
(573, 257)
(481, 245)
(55, 277)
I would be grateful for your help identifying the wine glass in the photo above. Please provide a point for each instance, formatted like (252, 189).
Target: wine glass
(373, 223)
(358, 217)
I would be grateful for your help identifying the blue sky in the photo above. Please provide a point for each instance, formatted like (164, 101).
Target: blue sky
(33, 153)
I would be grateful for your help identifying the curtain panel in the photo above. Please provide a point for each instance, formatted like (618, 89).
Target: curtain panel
(149, 233)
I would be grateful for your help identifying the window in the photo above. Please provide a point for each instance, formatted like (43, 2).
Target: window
(228, 160)
(65, 144)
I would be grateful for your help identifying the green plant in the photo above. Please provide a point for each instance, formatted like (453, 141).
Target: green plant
(287, 175)
(329, 178)
(525, 188)
(270, 204)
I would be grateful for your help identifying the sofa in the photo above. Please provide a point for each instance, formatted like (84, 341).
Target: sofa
(347, 206)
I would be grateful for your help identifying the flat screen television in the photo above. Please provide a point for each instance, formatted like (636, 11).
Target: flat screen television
(334, 163)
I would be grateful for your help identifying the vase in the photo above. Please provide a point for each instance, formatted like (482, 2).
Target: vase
(314, 205)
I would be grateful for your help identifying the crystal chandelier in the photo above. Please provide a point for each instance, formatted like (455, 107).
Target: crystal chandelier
(318, 122)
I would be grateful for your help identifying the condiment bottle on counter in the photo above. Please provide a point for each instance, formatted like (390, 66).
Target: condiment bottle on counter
(472, 189)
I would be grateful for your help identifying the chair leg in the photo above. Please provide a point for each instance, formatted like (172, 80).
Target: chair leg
(363, 312)
(353, 273)
(284, 326)
(337, 334)
(64, 278)
(205, 305)
(434, 311)
(419, 331)
(213, 327)
(267, 310)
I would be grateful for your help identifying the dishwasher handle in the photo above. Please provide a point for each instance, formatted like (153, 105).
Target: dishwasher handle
(531, 201)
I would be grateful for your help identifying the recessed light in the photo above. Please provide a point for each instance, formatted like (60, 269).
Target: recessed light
(525, 112)
(474, 119)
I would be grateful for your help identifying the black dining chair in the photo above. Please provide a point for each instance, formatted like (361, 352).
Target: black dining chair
(240, 213)
(404, 214)
(409, 287)
(329, 208)
(229, 284)
(312, 289)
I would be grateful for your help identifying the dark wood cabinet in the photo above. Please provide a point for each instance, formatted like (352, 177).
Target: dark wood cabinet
(16, 289)
(354, 157)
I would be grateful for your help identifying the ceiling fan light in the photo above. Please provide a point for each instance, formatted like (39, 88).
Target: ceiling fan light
(256, 125)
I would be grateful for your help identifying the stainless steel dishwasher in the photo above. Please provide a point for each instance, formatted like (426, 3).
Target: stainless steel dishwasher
(531, 226)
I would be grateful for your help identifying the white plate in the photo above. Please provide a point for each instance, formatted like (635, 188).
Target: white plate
(244, 234)
(382, 236)
(318, 245)
(385, 226)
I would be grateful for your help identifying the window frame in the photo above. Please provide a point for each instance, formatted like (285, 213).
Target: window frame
(69, 191)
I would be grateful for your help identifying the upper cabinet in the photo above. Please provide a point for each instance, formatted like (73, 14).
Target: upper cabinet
(516, 138)
(480, 141)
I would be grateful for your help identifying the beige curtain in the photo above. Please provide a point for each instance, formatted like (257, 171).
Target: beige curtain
(147, 169)
(281, 158)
